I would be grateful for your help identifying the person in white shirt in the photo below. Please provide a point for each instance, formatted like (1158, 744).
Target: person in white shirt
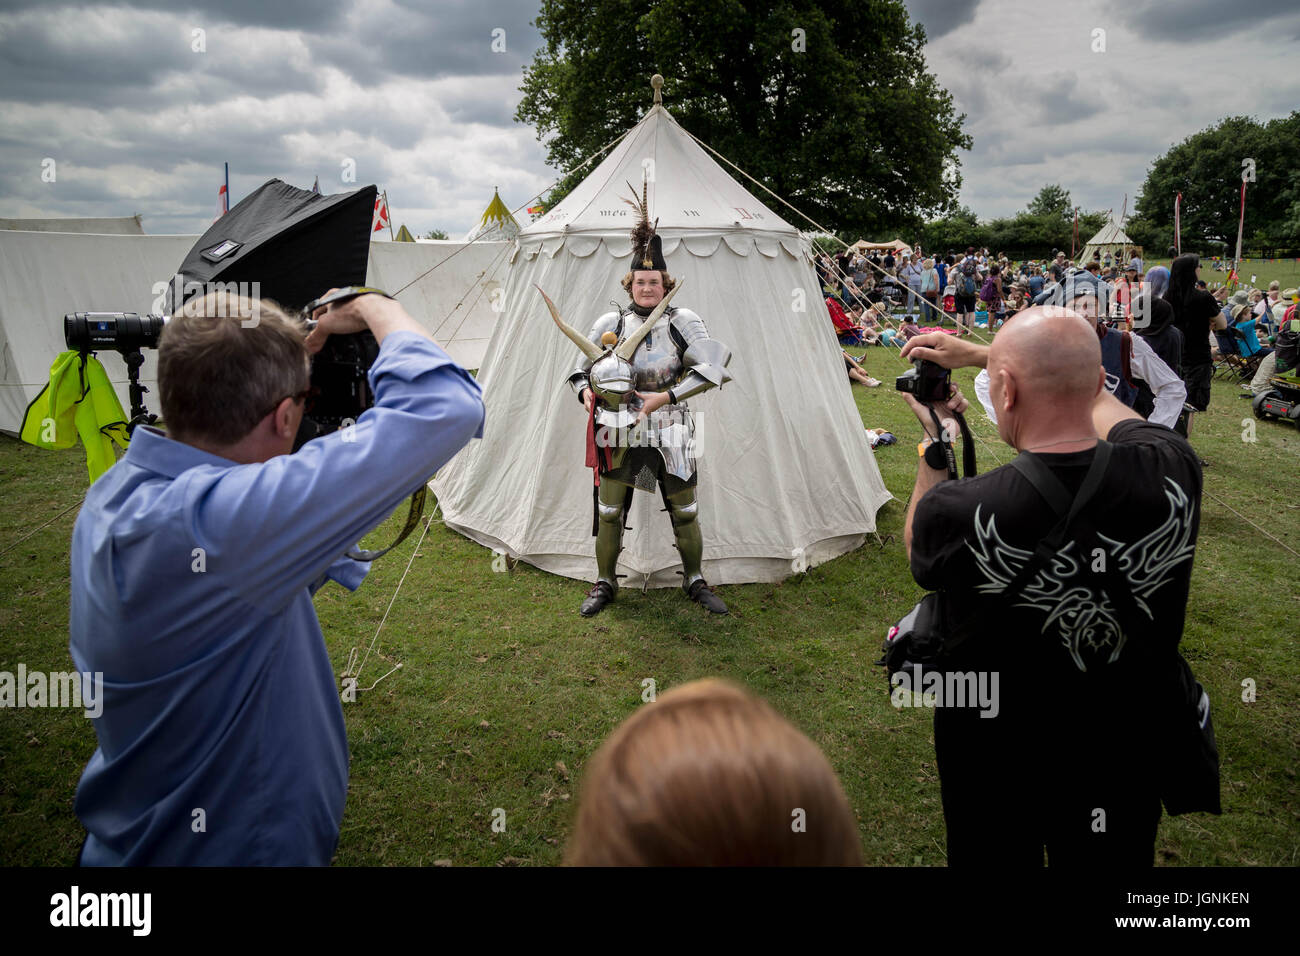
(1167, 388)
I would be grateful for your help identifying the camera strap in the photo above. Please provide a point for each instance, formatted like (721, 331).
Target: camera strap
(967, 450)
(412, 519)
(341, 295)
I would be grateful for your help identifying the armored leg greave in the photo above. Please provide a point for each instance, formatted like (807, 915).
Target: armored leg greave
(684, 509)
(609, 536)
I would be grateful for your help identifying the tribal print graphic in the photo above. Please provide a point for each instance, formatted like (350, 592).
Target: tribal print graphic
(1072, 596)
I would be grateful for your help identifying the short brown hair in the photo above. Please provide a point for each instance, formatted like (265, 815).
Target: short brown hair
(224, 362)
(709, 775)
(667, 280)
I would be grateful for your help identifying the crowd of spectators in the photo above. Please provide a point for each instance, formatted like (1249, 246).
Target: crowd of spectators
(886, 296)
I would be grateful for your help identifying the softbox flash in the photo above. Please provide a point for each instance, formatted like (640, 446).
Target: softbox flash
(294, 243)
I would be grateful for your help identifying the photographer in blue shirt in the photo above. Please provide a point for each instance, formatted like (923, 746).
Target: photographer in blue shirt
(193, 563)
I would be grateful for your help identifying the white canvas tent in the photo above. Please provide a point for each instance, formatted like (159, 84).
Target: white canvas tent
(45, 275)
(1110, 238)
(786, 473)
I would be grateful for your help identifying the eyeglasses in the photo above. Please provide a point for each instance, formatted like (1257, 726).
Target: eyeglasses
(307, 396)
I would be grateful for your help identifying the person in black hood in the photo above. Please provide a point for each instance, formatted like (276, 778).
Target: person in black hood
(1194, 311)
(1153, 319)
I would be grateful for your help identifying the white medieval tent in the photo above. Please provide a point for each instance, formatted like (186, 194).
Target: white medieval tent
(1111, 238)
(495, 224)
(51, 267)
(786, 473)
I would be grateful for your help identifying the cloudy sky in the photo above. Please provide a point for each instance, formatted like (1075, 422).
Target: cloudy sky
(139, 104)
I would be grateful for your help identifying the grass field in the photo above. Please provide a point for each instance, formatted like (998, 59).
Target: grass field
(505, 691)
(1285, 271)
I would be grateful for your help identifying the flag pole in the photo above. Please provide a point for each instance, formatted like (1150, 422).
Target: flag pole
(1241, 221)
(1178, 225)
(227, 165)
(389, 209)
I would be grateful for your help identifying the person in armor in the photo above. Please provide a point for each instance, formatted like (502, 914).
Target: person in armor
(638, 367)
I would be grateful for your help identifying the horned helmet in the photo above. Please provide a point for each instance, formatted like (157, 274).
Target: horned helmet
(611, 377)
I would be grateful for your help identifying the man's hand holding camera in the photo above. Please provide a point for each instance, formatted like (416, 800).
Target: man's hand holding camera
(378, 313)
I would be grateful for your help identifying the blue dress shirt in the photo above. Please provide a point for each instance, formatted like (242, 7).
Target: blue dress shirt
(221, 740)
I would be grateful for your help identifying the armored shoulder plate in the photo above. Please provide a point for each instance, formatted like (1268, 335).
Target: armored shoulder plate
(688, 325)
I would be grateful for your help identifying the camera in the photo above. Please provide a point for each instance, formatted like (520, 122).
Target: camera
(926, 381)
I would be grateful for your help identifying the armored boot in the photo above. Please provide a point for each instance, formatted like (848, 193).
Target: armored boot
(684, 510)
(609, 542)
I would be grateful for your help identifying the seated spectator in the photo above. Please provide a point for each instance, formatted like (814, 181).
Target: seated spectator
(1243, 321)
(857, 373)
(848, 328)
(910, 329)
(709, 775)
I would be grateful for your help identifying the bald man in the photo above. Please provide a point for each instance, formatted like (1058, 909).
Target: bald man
(1075, 754)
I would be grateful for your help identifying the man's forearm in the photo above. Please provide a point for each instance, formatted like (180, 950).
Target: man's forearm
(926, 478)
(386, 316)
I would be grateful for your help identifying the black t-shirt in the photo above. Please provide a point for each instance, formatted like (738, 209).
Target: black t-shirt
(1078, 679)
(1192, 318)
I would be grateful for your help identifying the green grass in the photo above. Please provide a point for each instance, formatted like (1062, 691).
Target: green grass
(1285, 271)
(505, 691)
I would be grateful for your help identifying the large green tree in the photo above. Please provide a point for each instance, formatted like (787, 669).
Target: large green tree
(1207, 168)
(828, 103)
(1052, 202)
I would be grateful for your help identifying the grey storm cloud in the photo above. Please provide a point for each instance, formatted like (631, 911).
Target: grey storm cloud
(1160, 21)
(941, 16)
(421, 97)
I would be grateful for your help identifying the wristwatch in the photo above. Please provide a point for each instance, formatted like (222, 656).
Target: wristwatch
(931, 449)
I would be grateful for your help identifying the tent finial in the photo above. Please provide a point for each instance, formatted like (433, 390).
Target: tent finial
(657, 82)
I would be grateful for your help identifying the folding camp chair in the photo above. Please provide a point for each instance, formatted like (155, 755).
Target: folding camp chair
(1249, 363)
(1230, 362)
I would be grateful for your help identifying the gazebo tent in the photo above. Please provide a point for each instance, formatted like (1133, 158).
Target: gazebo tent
(496, 223)
(786, 473)
(896, 245)
(1111, 238)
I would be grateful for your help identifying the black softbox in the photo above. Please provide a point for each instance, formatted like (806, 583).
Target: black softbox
(295, 243)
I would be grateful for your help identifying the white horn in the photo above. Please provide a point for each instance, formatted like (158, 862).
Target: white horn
(589, 348)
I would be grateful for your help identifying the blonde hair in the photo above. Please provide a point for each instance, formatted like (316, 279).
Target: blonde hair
(709, 775)
(224, 362)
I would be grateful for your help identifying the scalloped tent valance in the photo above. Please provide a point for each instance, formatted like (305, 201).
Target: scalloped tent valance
(619, 247)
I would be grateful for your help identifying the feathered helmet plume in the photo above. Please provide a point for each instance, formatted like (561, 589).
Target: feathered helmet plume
(647, 250)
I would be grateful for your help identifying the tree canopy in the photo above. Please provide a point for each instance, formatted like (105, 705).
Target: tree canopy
(828, 103)
(1046, 224)
(1208, 167)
